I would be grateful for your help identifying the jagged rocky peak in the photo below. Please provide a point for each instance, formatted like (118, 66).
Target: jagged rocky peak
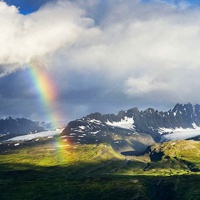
(183, 108)
(102, 118)
(150, 121)
(186, 115)
(132, 112)
(197, 114)
(149, 110)
(111, 118)
(121, 114)
(96, 115)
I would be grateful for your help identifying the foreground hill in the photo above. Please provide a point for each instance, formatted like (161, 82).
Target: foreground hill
(176, 155)
(56, 169)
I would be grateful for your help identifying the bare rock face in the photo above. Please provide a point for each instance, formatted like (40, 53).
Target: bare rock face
(121, 129)
(148, 121)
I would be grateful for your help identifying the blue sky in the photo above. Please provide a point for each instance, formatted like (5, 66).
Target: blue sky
(30, 6)
(26, 7)
(102, 55)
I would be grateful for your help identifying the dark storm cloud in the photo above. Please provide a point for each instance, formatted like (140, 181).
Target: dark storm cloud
(19, 97)
(17, 85)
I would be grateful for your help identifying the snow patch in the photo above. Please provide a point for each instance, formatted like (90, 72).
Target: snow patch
(175, 113)
(165, 130)
(82, 127)
(95, 132)
(181, 133)
(36, 135)
(126, 123)
(194, 126)
(95, 121)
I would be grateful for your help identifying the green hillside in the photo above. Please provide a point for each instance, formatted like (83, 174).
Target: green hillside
(56, 170)
(177, 156)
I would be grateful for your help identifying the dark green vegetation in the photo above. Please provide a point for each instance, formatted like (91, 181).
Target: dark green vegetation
(56, 170)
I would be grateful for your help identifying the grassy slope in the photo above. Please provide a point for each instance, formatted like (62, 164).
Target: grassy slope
(52, 171)
(177, 157)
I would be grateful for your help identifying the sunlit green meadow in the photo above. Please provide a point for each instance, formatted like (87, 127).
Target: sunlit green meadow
(95, 171)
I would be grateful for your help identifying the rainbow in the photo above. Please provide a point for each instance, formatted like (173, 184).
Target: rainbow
(48, 97)
(63, 147)
(47, 91)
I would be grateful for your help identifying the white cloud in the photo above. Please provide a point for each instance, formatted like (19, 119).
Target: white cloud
(149, 48)
(146, 47)
(24, 38)
(141, 86)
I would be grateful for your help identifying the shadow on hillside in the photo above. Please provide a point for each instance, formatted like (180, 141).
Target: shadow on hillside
(89, 181)
(130, 147)
(138, 149)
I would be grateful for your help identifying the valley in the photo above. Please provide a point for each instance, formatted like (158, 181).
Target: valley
(132, 155)
(57, 169)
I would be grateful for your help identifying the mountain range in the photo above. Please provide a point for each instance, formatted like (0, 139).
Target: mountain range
(10, 127)
(134, 129)
(160, 170)
(130, 131)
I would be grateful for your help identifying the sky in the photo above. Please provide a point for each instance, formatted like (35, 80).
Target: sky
(101, 56)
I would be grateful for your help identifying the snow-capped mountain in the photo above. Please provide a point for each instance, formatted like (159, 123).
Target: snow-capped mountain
(128, 131)
(10, 127)
(19, 126)
(181, 122)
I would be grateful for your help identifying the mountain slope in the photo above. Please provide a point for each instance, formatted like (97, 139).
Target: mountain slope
(183, 120)
(97, 128)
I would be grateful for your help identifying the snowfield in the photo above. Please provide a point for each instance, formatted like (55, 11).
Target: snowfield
(181, 134)
(36, 135)
(126, 123)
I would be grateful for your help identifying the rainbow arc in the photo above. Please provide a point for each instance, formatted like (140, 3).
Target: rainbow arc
(47, 92)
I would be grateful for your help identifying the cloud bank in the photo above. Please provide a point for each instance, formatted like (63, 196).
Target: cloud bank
(149, 50)
(25, 38)
(108, 54)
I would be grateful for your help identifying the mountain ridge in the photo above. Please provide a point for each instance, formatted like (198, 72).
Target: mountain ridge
(19, 126)
(124, 126)
(10, 127)
(132, 130)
